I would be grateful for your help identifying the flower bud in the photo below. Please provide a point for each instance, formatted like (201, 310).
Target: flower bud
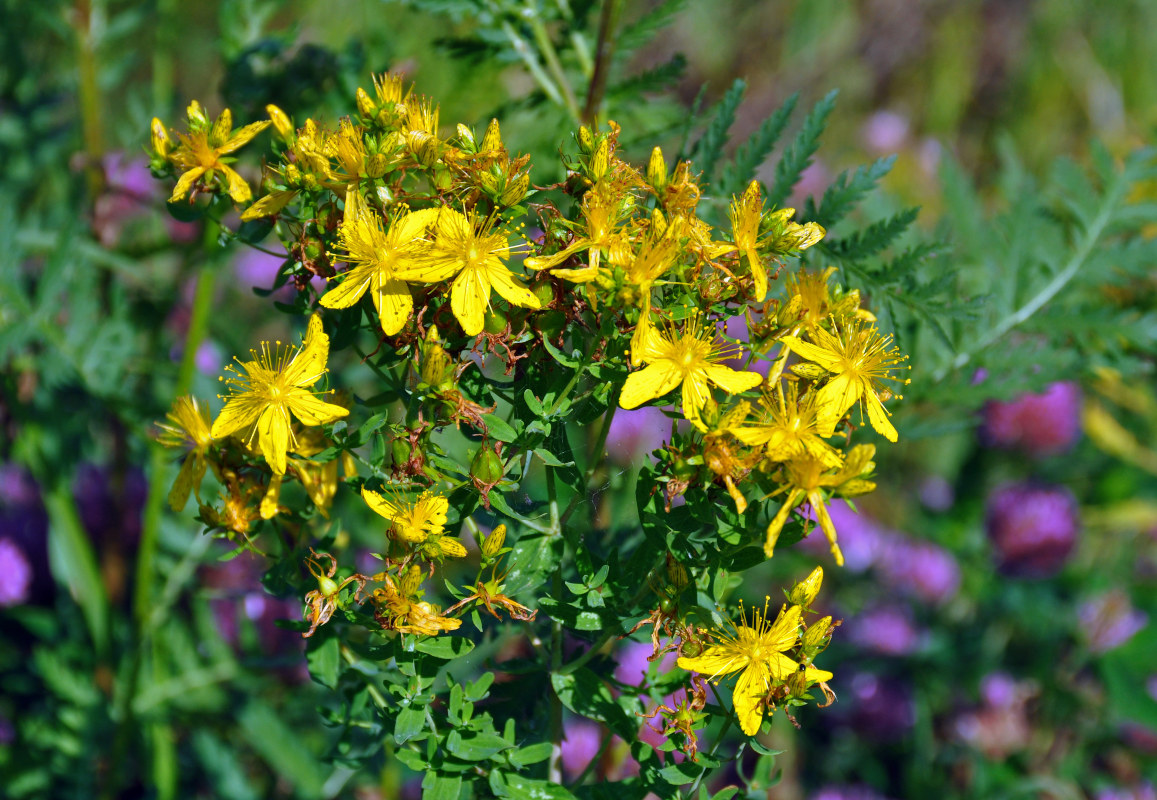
(804, 592)
(677, 574)
(797, 683)
(281, 123)
(515, 190)
(411, 581)
(657, 171)
(487, 467)
(196, 115)
(466, 135)
(585, 139)
(160, 137)
(377, 165)
(600, 160)
(435, 361)
(400, 451)
(817, 633)
(493, 543)
(365, 104)
(493, 138)
(222, 127)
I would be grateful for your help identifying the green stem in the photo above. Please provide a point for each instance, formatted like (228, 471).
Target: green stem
(1050, 290)
(89, 24)
(550, 55)
(554, 769)
(598, 458)
(714, 747)
(604, 51)
(526, 53)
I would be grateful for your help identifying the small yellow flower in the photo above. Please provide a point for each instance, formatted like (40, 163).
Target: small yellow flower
(858, 358)
(755, 649)
(201, 152)
(378, 256)
(691, 360)
(603, 212)
(806, 476)
(276, 383)
(188, 428)
(404, 612)
(753, 230)
(473, 255)
(421, 523)
(787, 427)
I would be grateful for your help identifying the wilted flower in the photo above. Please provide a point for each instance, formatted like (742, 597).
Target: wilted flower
(1033, 529)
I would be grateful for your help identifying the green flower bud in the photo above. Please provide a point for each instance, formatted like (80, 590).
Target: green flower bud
(493, 543)
(657, 171)
(487, 467)
(804, 592)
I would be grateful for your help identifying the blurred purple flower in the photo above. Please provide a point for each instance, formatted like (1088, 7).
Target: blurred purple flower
(15, 575)
(209, 359)
(580, 743)
(108, 510)
(880, 708)
(887, 629)
(1039, 424)
(885, 132)
(921, 569)
(847, 793)
(999, 690)
(1109, 620)
(1140, 791)
(936, 493)
(1000, 726)
(129, 192)
(1033, 529)
(255, 268)
(861, 537)
(1151, 686)
(633, 663)
(929, 154)
(636, 432)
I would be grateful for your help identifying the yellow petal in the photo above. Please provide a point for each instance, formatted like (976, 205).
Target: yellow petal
(878, 416)
(394, 303)
(732, 381)
(546, 262)
(273, 437)
(825, 358)
(748, 697)
(309, 364)
(826, 525)
(185, 183)
(833, 401)
(353, 285)
(242, 136)
(814, 675)
(269, 205)
(714, 661)
(649, 383)
(238, 189)
(503, 282)
(775, 527)
(182, 486)
(240, 412)
(312, 410)
(780, 666)
(469, 298)
(784, 633)
(379, 504)
(272, 496)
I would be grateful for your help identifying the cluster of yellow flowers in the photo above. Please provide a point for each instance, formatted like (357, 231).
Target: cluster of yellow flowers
(426, 225)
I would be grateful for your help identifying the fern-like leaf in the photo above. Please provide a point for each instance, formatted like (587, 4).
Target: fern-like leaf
(752, 153)
(846, 191)
(798, 154)
(710, 146)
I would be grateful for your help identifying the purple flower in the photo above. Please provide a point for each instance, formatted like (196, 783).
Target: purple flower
(846, 793)
(885, 132)
(861, 538)
(636, 432)
(1109, 620)
(1039, 424)
(15, 575)
(888, 630)
(936, 493)
(1140, 791)
(999, 690)
(255, 268)
(1033, 529)
(921, 569)
(107, 509)
(880, 708)
(129, 192)
(580, 743)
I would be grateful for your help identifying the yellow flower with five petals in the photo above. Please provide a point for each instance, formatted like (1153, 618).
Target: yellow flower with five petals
(276, 384)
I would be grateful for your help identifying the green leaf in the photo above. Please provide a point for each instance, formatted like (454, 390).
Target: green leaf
(498, 428)
(710, 146)
(531, 754)
(520, 788)
(436, 786)
(478, 747)
(755, 150)
(476, 690)
(283, 749)
(679, 774)
(532, 403)
(550, 459)
(798, 154)
(570, 362)
(410, 722)
(324, 658)
(584, 693)
(445, 647)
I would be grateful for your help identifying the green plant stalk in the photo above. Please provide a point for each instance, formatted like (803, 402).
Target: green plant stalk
(89, 20)
(714, 747)
(1049, 290)
(73, 552)
(604, 51)
(550, 56)
(554, 767)
(526, 53)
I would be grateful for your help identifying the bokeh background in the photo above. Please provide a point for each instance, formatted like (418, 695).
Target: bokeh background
(999, 596)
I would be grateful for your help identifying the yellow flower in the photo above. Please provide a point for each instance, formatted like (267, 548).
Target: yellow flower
(378, 255)
(188, 428)
(404, 613)
(858, 358)
(474, 256)
(779, 234)
(757, 649)
(787, 428)
(412, 522)
(201, 150)
(805, 478)
(691, 360)
(602, 211)
(276, 382)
